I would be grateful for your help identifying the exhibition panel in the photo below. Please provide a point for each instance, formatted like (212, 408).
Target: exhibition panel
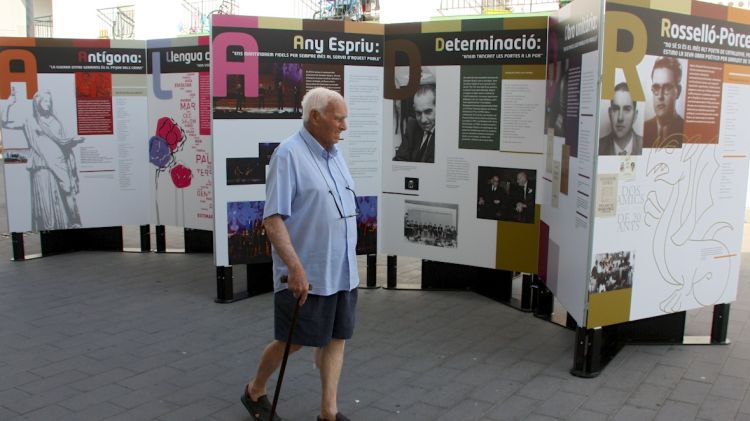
(673, 201)
(461, 155)
(568, 183)
(179, 132)
(74, 133)
(642, 214)
(261, 68)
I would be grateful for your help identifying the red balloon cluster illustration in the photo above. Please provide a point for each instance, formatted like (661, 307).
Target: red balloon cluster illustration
(169, 139)
(181, 176)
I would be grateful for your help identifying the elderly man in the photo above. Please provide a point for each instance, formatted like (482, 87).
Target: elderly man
(310, 218)
(522, 199)
(418, 140)
(492, 200)
(622, 140)
(665, 128)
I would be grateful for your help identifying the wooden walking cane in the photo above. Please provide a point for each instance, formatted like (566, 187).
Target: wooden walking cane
(286, 353)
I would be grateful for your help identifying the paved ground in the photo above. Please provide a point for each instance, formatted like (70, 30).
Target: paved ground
(128, 336)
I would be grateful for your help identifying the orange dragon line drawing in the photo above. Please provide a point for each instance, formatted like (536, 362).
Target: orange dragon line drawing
(686, 246)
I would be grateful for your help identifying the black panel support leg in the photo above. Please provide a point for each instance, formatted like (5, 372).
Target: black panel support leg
(224, 284)
(161, 239)
(588, 352)
(526, 292)
(145, 238)
(372, 271)
(544, 300)
(198, 241)
(391, 280)
(18, 249)
(720, 325)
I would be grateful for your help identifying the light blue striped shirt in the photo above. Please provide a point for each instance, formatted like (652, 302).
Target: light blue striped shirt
(300, 176)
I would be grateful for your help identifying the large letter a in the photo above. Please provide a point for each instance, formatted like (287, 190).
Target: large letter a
(28, 75)
(223, 68)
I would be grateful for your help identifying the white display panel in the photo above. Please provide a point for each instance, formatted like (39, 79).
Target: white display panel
(76, 159)
(179, 116)
(668, 229)
(571, 135)
(257, 106)
(461, 171)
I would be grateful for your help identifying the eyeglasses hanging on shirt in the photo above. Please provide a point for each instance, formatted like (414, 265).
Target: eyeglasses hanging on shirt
(330, 189)
(356, 203)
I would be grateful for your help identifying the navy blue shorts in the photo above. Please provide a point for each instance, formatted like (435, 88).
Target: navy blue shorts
(320, 319)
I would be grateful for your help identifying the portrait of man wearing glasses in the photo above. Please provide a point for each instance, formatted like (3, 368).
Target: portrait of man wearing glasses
(310, 216)
(666, 86)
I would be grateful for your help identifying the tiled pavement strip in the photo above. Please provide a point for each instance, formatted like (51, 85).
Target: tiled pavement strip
(129, 336)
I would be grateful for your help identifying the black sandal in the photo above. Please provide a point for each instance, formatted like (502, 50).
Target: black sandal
(339, 417)
(260, 410)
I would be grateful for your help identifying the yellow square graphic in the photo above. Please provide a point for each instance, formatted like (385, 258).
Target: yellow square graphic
(637, 3)
(290, 24)
(609, 308)
(674, 6)
(441, 26)
(518, 245)
(364, 28)
(535, 22)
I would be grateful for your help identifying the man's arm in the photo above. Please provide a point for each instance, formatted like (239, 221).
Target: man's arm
(279, 236)
(404, 150)
(408, 139)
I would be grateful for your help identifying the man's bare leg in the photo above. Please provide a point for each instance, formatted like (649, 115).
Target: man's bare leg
(317, 355)
(270, 361)
(331, 359)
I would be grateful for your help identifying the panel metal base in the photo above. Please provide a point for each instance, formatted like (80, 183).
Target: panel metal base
(67, 241)
(492, 283)
(145, 231)
(161, 239)
(587, 357)
(596, 347)
(19, 251)
(543, 301)
(259, 281)
(199, 241)
(372, 272)
(391, 280)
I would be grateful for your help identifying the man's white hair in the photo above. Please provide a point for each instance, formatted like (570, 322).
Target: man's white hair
(318, 99)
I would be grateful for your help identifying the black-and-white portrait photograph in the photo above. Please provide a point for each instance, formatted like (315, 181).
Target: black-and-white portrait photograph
(431, 224)
(663, 80)
(506, 194)
(414, 119)
(620, 131)
(612, 271)
(411, 183)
